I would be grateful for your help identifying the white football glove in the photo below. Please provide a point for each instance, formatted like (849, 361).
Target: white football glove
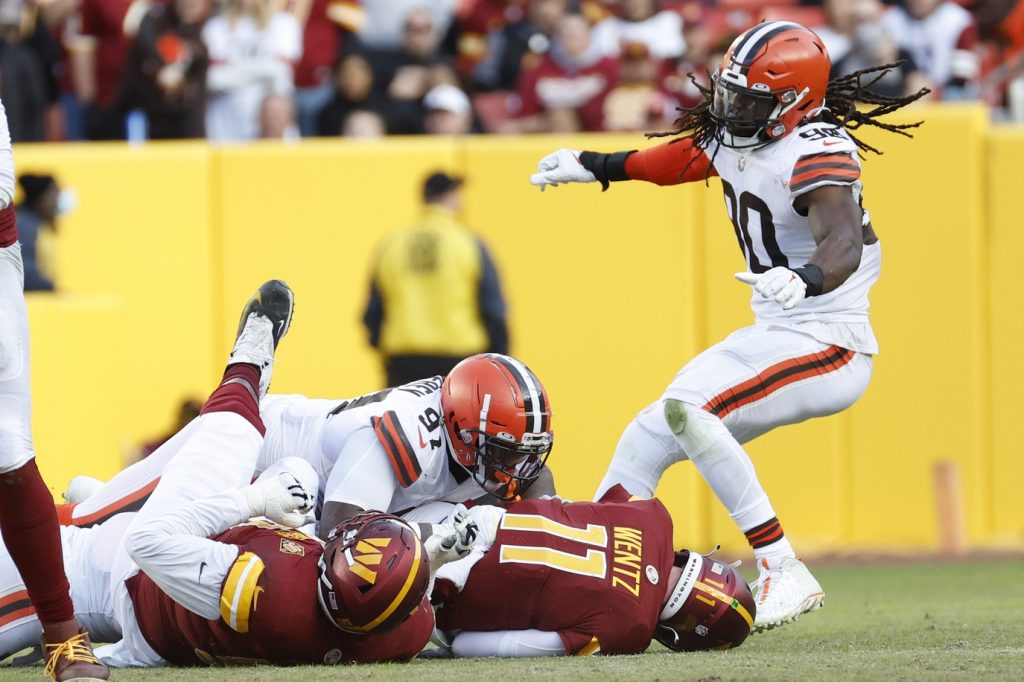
(561, 166)
(487, 519)
(281, 499)
(450, 541)
(781, 284)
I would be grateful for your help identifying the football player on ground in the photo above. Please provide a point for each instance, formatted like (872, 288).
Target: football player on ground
(777, 133)
(181, 582)
(486, 425)
(588, 578)
(27, 519)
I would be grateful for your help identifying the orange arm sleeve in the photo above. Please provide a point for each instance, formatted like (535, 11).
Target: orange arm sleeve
(665, 164)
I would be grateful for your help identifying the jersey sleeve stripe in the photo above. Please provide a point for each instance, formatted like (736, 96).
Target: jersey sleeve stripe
(398, 448)
(835, 176)
(805, 171)
(237, 599)
(824, 156)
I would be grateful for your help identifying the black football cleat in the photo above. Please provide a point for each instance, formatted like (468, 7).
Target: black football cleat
(275, 301)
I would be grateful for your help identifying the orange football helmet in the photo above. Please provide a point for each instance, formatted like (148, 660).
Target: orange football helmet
(710, 606)
(497, 417)
(373, 573)
(772, 78)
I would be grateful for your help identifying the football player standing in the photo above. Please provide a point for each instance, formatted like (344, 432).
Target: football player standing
(776, 131)
(27, 518)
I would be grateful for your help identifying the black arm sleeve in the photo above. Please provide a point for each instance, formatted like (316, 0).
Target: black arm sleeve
(373, 317)
(606, 168)
(492, 303)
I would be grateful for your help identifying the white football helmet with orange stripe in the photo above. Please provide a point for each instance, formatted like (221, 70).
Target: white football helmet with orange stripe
(497, 418)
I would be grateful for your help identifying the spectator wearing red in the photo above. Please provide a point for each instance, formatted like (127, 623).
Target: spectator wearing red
(475, 21)
(165, 75)
(1001, 29)
(99, 55)
(326, 26)
(941, 36)
(644, 22)
(566, 91)
(637, 103)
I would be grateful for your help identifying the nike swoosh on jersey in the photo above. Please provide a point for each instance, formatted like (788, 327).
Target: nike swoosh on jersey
(202, 565)
(423, 443)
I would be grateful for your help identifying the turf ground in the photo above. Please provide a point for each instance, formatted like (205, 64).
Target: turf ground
(915, 621)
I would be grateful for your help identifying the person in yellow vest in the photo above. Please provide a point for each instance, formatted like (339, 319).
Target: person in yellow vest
(435, 297)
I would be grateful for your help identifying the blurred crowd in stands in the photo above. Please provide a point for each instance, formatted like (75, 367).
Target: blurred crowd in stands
(233, 70)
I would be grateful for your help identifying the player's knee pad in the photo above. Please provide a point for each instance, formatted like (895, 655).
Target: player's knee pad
(695, 429)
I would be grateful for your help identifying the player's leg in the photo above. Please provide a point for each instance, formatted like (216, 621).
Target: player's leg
(756, 379)
(28, 520)
(218, 449)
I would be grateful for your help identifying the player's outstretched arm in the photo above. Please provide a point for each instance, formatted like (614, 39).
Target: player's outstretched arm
(175, 551)
(508, 644)
(670, 163)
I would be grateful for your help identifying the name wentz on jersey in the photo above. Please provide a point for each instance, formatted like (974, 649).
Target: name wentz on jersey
(760, 186)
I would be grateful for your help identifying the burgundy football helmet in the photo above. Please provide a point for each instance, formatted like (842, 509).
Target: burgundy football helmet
(373, 573)
(710, 606)
(497, 416)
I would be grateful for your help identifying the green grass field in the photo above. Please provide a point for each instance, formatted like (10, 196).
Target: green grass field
(912, 621)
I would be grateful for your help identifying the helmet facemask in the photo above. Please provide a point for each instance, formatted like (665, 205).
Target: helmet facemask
(503, 467)
(749, 117)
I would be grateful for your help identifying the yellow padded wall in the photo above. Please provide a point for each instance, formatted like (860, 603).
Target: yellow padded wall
(78, 343)
(927, 400)
(141, 231)
(1006, 251)
(311, 214)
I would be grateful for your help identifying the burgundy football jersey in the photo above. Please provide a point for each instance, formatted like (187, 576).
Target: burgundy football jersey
(277, 617)
(595, 573)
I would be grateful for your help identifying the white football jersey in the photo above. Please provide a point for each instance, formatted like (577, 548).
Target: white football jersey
(760, 186)
(403, 424)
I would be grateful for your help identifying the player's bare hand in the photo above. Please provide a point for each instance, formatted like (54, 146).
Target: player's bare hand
(781, 284)
(282, 499)
(561, 166)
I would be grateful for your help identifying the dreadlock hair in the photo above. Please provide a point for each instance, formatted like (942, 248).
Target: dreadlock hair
(841, 98)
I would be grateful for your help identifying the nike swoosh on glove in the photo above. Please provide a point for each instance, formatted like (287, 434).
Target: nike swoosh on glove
(781, 284)
(561, 166)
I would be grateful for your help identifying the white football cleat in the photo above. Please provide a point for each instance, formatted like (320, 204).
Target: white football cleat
(784, 590)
